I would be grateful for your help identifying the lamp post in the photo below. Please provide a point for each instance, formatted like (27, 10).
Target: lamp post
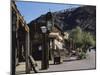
(45, 52)
(45, 30)
(49, 24)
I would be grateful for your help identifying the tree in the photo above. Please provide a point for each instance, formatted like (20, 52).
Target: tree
(82, 39)
(76, 35)
(88, 40)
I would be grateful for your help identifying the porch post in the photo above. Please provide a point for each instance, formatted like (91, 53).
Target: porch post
(13, 67)
(27, 53)
(13, 53)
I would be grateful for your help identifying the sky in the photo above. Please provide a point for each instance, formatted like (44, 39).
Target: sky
(32, 10)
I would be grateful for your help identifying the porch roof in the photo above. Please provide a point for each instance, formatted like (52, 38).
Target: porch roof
(55, 35)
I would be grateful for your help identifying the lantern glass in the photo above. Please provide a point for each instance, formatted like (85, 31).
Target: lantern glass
(49, 25)
(44, 29)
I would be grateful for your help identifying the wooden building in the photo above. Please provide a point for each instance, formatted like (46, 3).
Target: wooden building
(55, 38)
(20, 37)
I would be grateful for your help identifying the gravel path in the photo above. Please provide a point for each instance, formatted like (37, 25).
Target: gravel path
(88, 63)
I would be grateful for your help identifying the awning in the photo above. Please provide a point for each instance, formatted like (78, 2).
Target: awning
(56, 35)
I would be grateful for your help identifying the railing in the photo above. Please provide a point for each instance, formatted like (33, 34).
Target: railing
(34, 65)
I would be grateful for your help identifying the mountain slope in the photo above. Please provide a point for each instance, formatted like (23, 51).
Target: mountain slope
(84, 16)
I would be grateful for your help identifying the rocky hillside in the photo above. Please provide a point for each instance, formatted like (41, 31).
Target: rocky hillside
(84, 16)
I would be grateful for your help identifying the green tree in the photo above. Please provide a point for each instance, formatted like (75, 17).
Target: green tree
(76, 35)
(83, 40)
(88, 40)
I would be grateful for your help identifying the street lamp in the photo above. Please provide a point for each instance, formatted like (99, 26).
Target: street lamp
(45, 53)
(49, 20)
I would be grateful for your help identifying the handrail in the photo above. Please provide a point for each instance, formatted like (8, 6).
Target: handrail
(33, 64)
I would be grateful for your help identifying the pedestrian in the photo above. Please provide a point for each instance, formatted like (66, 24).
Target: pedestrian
(89, 49)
